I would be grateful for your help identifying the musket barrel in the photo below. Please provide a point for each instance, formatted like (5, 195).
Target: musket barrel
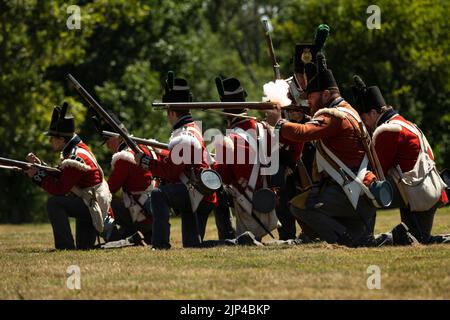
(146, 142)
(371, 152)
(215, 105)
(25, 165)
(10, 168)
(98, 108)
(228, 114)
(275, 65)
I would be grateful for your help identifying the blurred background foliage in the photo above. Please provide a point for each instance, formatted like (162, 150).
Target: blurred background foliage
(124, 49)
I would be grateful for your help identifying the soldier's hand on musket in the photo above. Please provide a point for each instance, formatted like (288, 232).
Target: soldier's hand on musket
(33, 158)
(274, 115)
(31, 172)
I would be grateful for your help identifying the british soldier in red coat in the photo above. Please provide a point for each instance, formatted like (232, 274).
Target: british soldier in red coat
(186, 160)
(235, 163)
(398, 146)
(293, 151)
(337, 209)
(80, 191)
(135, 183)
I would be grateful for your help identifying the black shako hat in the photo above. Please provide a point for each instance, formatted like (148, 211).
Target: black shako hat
(305, 53)
(366, 98)
(230, 90)
(320, 78)
(60, 124)
(176, 89)
(101, 125)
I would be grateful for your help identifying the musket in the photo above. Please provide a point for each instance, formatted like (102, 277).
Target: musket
(276, 67)
(102, 112)
(371, 152)
(145, 142)
(228, 114)
(10, 168)
(214, 105)
(267, 29)
(11, 164)
(305, 179)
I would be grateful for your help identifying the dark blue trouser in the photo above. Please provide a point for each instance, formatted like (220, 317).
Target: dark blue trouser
(59, 209)
(122, 216)
(176, 196)
(224, 220)
(337, 216)
(419, 223)
(287, 220)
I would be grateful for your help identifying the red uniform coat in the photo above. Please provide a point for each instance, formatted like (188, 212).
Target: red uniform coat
(396, 145)
(170, 167)
(233, 171)
(126, 174)
(293, 150)
(77, 169)
(334, 129)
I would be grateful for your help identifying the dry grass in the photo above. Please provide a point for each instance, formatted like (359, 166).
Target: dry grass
(30, 269)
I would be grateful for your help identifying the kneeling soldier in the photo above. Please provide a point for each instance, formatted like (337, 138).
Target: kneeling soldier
(186, 161)
(338, 208)
(239, 163)
(403, 151)
(135, 182)
(80, 191)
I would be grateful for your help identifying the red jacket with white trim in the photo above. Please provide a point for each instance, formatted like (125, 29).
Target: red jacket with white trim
(186, 136)
(334, 129)
(396, 145)
(77, 169)
(126, 174)
(233, 157)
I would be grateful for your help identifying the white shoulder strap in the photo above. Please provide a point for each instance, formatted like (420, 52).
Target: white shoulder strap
(88, 154)
(152, 152)
(247, 137)
(416, 131)
(406, 125)
(197, 132)
(351, 188)
(256, 166)
(194, 130)
(92, 158)
(353, 114)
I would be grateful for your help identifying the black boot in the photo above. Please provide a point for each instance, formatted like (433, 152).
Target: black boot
(441, 238)
(346, 239)
(384, 239)
(248, 239)
(402, 237)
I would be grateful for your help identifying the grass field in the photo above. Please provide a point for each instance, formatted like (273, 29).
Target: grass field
(30, 269)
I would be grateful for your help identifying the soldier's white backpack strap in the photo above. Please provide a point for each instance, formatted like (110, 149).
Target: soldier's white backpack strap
(351, 183)
(424, 145)
(253, 143)
(194, 195)
(92, 158)
(199, 136)
(97, 198)
(245, 214)
(421, 187)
